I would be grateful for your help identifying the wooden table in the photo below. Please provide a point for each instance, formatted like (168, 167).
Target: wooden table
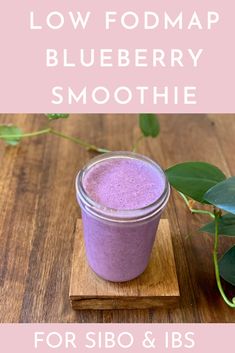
(39, 213)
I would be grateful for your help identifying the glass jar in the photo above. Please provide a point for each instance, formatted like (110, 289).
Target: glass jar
(119, 242)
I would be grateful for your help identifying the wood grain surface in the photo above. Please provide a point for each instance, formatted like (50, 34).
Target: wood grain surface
(156, 287)
(39, 213)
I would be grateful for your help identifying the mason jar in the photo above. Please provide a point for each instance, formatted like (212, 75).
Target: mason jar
(119, 241)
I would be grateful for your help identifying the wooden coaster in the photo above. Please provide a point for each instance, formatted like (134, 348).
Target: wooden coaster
(156, 287)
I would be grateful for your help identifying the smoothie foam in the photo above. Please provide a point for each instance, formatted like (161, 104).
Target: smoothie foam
(124, 184)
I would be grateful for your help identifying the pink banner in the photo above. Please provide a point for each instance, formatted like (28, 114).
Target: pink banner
(44, 338)
(123, 56)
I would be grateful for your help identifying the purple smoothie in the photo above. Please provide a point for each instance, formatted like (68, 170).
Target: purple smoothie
(122, 196)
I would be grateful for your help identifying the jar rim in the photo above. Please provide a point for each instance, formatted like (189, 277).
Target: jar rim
(112, 214)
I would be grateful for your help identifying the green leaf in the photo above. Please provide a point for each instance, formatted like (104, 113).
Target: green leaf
(194, 179)
(226, 226)
(149, 125)
(222, 195)
(227, 266)
(57, 116)
(11, 134)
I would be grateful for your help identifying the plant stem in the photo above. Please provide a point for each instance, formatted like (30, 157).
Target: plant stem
(216, 216)
(82, 143)
(202, 212)
(77, 140)
(134, 149)
(216, 265)
(30, 134)
(192, 210)
(184, 198)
